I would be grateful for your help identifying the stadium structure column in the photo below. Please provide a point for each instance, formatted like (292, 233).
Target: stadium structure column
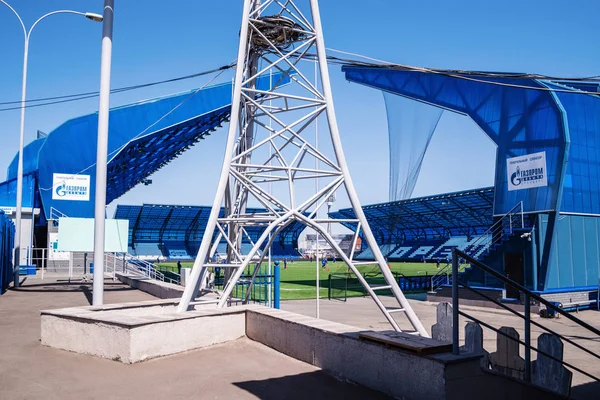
(281, 36)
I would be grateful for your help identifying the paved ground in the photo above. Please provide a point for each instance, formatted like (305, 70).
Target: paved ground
(363, 313)
(237, 370)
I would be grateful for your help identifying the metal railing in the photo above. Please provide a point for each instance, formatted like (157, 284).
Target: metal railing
(113, 263)
(56, 214)
(262, 288)
(137, 266)
(504, 227)
(339, 284)
(526, 316)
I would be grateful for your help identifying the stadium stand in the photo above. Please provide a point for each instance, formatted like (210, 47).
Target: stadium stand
(429, 227)
(175, 232)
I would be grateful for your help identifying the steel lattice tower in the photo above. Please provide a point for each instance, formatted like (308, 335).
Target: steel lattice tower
(267, 145)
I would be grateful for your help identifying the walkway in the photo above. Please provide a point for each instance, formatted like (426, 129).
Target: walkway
(239, 370)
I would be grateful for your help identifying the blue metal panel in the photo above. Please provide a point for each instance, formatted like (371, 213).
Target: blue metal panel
(564, 253)
(8, 192)
(574, 256)
(578, 264)
(582, 182)
(592, 256)
(148, 119)
(552, 273)
(143, 137)
(519, 121)
(7, 236)
(30, 159)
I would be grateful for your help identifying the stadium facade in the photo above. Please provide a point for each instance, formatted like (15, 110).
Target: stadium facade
(547, 134)
(547, 162)
(59, 168)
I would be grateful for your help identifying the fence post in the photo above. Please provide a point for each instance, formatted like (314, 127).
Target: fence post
(522, 217)
(455, 344)
(527, 338)
(329, 287)
(276, 289)
(43, 261)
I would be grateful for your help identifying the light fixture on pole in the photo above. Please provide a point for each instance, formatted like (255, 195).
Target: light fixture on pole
(330, 201)
(19, 201)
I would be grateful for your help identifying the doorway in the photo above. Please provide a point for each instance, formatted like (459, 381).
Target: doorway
(513, 269)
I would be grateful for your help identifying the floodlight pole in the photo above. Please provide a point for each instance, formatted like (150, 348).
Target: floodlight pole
(19, 200)
(102, 153)
(317, 277)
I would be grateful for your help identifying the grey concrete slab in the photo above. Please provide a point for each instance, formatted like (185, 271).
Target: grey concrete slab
(363, 313)
(241, 369)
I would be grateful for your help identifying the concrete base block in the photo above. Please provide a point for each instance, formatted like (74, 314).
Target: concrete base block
(136, 332)
(337, 349)
(161, 290)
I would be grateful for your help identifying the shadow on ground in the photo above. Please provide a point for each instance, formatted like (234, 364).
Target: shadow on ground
(586, 391)
(70, 287)
(311, 385)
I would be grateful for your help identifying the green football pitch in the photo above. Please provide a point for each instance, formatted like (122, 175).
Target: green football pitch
(298, 281)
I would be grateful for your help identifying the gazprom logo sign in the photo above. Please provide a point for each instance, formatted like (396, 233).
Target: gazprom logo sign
(526, 172)
(70, 187)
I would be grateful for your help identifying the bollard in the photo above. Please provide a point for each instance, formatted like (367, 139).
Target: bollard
(276, 288)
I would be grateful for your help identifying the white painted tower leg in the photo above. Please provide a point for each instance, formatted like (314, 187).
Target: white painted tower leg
(279, 40)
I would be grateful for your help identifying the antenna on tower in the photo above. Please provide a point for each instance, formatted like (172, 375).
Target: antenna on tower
(278, 35)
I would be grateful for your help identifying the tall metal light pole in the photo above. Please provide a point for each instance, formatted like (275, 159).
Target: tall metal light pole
(27, 34)
(102, 153)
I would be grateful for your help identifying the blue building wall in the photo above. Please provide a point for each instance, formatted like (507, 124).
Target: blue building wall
(7, 237)
(522, 119)
(581, 191)
(8, 192)
(520, 122)
(30, 159)
(142, 138)
(575, 255)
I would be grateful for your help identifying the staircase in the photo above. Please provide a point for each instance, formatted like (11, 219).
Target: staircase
(485, 248)
(135, 266)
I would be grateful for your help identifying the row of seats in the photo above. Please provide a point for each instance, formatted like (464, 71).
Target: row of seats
(179, 250)
(146, 249)
(430, 249)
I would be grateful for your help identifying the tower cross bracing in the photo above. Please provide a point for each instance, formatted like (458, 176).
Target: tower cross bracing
(269, 157)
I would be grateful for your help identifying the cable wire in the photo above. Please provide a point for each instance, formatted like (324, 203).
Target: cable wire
(83, 96)
(471, 75)
(372, 63)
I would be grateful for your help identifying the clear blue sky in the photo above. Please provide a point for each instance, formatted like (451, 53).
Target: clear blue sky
(154, 40)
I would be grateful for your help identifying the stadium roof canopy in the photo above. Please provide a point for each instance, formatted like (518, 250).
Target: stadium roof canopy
(143, 137)
(466, 213)
(159, 223)
(526, 116)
